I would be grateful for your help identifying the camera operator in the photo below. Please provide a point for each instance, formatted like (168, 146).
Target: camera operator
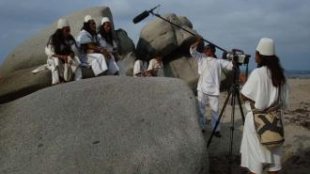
(208, 87)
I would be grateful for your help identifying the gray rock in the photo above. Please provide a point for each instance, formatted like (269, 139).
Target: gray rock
(184, 68)
(21, 83)
(100, 125)
(163, 37)
(126, 65)
(125, 44)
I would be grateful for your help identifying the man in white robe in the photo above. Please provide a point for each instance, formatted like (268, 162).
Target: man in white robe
(63, 65)
(91, 56)
(208, 87)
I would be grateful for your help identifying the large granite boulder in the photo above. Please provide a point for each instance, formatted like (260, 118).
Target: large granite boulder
(163, 37)
(21, 83)
(100, 125)
(125, 44)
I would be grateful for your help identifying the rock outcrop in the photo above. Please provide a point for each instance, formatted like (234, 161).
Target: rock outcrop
(160, 36)
(100, 125)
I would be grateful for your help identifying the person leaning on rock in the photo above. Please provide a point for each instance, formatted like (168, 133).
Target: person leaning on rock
(153, 68)
(266, 84)
(107, 42)
(208, 87)
(91, 53)
(139, 68)
(62, 53)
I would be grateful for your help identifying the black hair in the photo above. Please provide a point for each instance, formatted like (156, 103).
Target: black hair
(57, 39)
(212, 47)
(200, 46)
(274, 66)
(86, 26)
(107, 36)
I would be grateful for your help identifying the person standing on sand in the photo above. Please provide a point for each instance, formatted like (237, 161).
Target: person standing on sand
(263, 87)
(208, 87)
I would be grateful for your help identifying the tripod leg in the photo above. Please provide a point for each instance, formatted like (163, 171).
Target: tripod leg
(240, 107)
(233, 102)
(219, 119)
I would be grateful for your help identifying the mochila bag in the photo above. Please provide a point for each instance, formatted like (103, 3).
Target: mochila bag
(269, 126)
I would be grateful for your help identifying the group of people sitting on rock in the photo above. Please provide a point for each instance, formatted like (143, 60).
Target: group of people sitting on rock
(91, 49)
(66, 55)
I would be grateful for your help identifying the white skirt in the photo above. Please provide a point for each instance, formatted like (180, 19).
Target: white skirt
(255, 156)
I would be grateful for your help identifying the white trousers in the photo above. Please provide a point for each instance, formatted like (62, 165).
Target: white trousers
(113, 68)
(213, 102)
(97, 63)
(64, 70)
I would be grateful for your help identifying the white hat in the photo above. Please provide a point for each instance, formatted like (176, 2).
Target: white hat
(61, 23)
(88, 18)
(104, 20)
(266, 47)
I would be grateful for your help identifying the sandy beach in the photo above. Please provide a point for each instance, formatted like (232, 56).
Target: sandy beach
(296, 155)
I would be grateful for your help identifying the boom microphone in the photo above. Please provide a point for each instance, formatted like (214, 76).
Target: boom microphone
(140, 17)
(143, 15)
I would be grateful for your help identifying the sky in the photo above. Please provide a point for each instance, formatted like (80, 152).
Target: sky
(227, 23)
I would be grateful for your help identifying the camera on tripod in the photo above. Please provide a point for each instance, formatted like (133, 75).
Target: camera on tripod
(237, 56)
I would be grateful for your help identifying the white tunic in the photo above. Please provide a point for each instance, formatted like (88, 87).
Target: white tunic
(103, 43)
(95, 60)
(112, 65)
(156, 66)
(138, 68)
(64, 70)
(259, 88)
(210, 71)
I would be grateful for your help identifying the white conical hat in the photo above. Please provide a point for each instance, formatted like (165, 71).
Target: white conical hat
(88, 18)
(266, 47)
(61, 23)
(104, 20)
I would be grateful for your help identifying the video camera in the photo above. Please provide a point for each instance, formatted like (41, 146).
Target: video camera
(238, 56)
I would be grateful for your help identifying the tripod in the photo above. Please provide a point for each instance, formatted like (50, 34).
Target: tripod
(234, 94)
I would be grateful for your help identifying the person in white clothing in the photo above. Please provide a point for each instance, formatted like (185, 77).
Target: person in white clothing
(107, 42)
(139, 68)
(91, 53)
(264, 86)
(153, 68)
(62, 52)
(208, 87)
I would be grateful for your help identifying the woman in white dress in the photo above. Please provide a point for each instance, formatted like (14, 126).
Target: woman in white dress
(91, 53)
(107, 42)
(265, 84)
(62, 53)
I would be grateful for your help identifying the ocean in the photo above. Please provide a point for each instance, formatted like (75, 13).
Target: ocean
(297, 74)
(293, 74)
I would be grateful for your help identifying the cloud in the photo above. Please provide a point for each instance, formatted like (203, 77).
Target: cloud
(230, 24)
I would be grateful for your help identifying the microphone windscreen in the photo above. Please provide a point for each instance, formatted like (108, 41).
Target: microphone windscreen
(140, 17)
